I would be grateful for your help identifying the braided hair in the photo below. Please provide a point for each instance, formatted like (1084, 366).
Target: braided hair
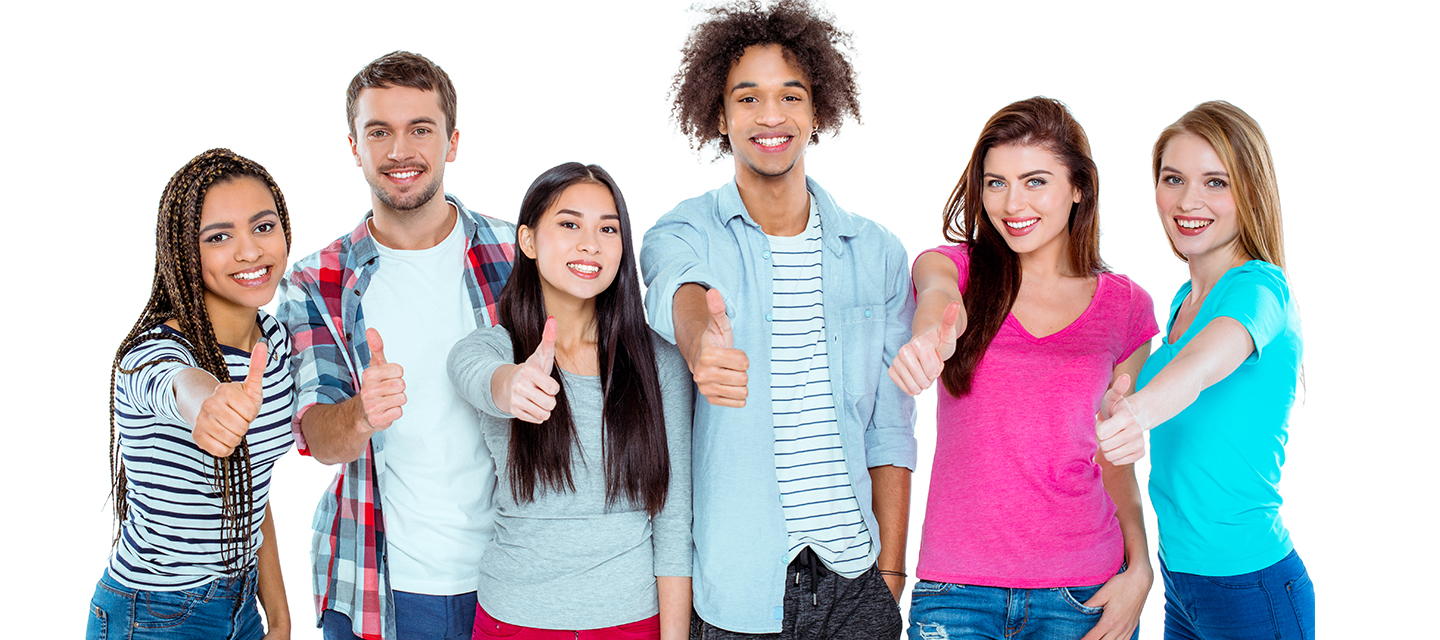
(178, 293)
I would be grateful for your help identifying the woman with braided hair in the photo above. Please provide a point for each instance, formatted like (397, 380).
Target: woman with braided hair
(191, 456)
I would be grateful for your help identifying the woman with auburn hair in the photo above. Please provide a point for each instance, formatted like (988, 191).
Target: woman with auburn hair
(588, 415)
(201, 400)
(1219, 389)
(1028, 534)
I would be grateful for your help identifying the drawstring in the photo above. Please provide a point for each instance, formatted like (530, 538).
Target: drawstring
(807, 558)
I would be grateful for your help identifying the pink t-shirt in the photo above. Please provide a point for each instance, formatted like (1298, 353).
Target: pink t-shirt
(1016, 498)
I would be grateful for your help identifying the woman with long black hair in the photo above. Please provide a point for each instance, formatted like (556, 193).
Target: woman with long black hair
(588, 415)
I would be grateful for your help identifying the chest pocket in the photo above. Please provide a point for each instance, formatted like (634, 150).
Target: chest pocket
(860, 342)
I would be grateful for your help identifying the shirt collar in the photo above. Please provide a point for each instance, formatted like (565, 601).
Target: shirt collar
(363, 247)
(837, 223)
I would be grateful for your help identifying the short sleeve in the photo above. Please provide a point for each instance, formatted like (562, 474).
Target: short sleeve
(1141, 326)
(149, 389)
(959, 254)
(473, 361)
(1256, 296)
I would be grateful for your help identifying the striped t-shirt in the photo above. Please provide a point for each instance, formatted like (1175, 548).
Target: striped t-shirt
(819, 503)
(171, 538)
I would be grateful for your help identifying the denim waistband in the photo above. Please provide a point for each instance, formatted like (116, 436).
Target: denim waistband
(220, 588)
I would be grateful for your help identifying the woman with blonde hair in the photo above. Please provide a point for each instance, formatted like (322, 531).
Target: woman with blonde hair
(1219, 389)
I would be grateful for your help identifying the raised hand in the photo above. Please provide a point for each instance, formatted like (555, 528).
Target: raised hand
(718, 367)
(531, 389)
(382, 387)
(1121, 430)
(225, 416)
(921, 360)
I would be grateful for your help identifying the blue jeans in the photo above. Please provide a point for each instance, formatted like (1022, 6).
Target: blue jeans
(206, 612)
(1275, 603)
(940, 611)
(417, 617)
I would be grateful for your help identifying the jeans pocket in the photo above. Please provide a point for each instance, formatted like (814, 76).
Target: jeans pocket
(162, 609)
(487, 626)
(98, 626)
(1076, 597)
(925, 588)
(1302, 598)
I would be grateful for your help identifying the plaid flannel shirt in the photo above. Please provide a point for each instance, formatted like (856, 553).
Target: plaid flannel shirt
(320, 305)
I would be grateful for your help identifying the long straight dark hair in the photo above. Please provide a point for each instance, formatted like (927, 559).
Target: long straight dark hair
(993, 281)
(637, 460)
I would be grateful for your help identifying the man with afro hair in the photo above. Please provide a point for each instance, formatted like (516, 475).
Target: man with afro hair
(801, 479)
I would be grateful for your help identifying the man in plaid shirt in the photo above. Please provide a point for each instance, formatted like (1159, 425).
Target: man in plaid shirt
(399, 533)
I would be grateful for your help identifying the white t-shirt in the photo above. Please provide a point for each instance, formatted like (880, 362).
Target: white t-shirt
(438, 480)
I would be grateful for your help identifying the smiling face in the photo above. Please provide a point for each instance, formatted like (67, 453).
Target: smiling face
(768, 115)
(1028, 197)
(242, 247)
(1194, 198)
(576, 243)
(402, 147)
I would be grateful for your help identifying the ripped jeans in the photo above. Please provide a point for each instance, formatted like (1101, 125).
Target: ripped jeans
(942, 611)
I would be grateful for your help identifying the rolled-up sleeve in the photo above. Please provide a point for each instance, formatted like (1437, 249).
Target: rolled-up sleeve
(316, 361)
(673, 253)
(890, 436)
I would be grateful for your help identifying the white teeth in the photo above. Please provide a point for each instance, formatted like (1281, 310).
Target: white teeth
(584, 268)
(772, 142)
(1022, 224)
(1192, 224)
(252, 275)
(404, 175)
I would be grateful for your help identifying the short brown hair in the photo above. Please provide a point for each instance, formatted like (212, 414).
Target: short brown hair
(809, 40)
(402, 69)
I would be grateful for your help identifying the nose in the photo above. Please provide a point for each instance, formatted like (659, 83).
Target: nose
(1190, 199)
(770, 114)
(1014, 201)
(400, 148)
(589, 242)
(247, 249)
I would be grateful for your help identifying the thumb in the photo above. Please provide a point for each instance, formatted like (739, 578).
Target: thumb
(377, 347)
(948, 322)
(716, 305)
(546, 351)
(255, 379)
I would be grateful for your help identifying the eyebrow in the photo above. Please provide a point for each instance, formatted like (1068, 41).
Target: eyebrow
(414, 121)
(578, 214)
(227, 225)
(751, 85)
(1022, 176)
(1207, 173)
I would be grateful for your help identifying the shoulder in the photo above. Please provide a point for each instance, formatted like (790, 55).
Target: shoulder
(701, 208)
(160, 344)
(1261, 275)
(311, 269)
(1122, 289)
(501, 230)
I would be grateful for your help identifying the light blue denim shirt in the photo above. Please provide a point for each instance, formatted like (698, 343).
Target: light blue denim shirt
(740, 536)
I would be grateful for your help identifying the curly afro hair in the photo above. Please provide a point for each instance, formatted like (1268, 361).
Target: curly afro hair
(810, 42)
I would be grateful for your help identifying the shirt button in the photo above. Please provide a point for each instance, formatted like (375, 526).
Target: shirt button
(765, 255)
(867, 313)
(357, 292)
(769, 317)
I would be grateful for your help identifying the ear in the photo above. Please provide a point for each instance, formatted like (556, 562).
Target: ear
(1076, 197)
(526, 239)
(454, 145)
(354, 150)
(720, 122)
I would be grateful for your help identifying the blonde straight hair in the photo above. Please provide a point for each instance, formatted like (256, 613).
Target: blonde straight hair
(1242, 148)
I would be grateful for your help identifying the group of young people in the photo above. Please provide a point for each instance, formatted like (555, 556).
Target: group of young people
(531, 448)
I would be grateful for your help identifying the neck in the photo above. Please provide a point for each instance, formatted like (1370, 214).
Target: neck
(420, 228)
(575, 324)
(1047, 263)
(779, 204)
(1207, 269)
(234, 326)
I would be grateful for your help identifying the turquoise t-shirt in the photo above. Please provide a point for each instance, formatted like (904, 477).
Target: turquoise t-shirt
(1215, 467)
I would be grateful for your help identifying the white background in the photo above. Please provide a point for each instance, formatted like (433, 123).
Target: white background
(103, 103)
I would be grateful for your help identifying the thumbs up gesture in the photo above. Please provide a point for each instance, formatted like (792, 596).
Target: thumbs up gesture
(382, 387)
(719, 368)
(531, 390)
(225, 416)
(921, 360)
(1121, 430)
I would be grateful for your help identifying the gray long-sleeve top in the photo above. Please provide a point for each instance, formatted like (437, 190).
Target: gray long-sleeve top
(564, 561)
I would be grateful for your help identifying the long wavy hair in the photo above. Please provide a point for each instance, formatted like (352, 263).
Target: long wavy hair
(1242, 149)
(637, 462)
(993, 281)
(177, 293)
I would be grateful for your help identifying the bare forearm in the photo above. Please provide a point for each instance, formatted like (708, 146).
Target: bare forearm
(674, 606)
(192, 386)
(691, 316)
(930, 308)
(272, 585)
(1220, 348)
(335, 433)
(890, 498)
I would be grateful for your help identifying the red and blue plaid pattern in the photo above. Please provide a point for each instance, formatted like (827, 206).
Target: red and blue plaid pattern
(320, 305)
